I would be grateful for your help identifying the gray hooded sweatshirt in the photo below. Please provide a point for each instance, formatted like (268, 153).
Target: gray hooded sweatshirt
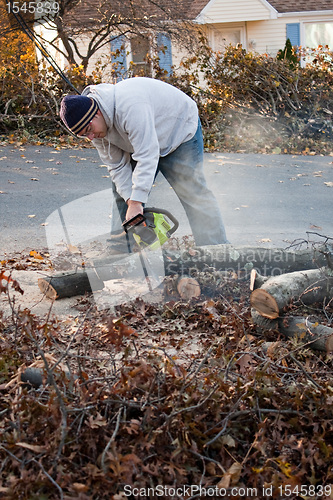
(146, 119)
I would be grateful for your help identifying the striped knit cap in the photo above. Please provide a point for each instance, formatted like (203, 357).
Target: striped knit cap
(77, 111)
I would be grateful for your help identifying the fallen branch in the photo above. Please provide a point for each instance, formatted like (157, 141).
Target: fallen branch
(240, 260)
(267, 261)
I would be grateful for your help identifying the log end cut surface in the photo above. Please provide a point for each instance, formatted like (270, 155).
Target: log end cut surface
(47, 289)
(264, 303)
(188, 288)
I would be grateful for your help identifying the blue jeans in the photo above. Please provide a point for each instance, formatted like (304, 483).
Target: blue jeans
(183, 169)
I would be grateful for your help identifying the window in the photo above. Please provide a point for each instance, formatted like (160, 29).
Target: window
(318, 34)
(315, 34)
(140, 56)
(132, 56)
(310, 35)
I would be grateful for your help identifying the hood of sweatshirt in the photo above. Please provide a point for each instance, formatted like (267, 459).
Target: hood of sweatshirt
(104, 98)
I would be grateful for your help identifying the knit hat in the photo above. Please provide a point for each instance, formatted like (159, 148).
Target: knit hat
(77, 111)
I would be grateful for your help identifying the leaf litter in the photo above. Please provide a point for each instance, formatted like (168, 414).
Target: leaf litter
(147, 394)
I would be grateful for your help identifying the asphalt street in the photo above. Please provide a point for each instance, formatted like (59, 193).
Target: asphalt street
(48, 195)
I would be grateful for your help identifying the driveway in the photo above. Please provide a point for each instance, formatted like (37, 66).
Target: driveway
(264, 199)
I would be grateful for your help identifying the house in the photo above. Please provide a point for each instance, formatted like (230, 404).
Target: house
(261, 26)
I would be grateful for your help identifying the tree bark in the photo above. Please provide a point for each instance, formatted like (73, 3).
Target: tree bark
(266, 261)
(220, 257)
(305, 287)
(277, 292)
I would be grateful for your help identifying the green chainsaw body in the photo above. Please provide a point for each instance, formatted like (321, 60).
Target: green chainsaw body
(152, 229)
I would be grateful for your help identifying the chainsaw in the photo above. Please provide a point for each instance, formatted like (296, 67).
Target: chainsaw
(152, 228)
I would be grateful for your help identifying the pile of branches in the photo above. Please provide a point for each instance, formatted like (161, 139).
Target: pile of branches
(150, 397)
(30, 99)
(253, 100)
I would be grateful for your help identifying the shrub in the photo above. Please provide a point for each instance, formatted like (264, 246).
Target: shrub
(289, 54)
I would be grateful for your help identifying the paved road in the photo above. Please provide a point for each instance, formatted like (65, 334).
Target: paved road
(47, 195)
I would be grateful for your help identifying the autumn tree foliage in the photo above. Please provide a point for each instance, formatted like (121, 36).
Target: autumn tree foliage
(18, 69)
(30, 91)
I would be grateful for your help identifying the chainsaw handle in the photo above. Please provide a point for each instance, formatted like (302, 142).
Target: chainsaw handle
(168, 214)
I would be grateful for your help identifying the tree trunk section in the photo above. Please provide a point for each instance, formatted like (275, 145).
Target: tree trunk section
(188, 288)
(240, 260)
(267, 261)
(316, 336)
(306, 287)
(69, 285)
(264, 303)
(277, 292)
(319, 337)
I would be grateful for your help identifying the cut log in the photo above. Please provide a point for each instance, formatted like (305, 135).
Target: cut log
(188, 288)
(316, 336)
(69, 285)
(319, 337)
(306, 287)
(264, 303)
(267, 261)
(220, 257)
(262, 322)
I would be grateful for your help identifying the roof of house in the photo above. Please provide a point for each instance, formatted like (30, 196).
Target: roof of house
(87, 10)
(301, 5)
(196, 7)
(280, 6)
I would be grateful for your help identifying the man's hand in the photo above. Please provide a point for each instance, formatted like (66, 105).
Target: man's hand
(134, 208)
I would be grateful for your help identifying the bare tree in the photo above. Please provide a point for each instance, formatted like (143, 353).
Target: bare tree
(96, 21)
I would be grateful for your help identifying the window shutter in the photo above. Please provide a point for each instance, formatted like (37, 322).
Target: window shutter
(293, 33)
(165, 55)
(118, 44)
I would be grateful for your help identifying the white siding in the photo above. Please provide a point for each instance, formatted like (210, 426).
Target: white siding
(221, 11)
(47, 32)
(267, 37)
(102, 57)
(270, 36)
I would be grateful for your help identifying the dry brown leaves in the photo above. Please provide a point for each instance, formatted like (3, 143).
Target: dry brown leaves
(157, 396)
